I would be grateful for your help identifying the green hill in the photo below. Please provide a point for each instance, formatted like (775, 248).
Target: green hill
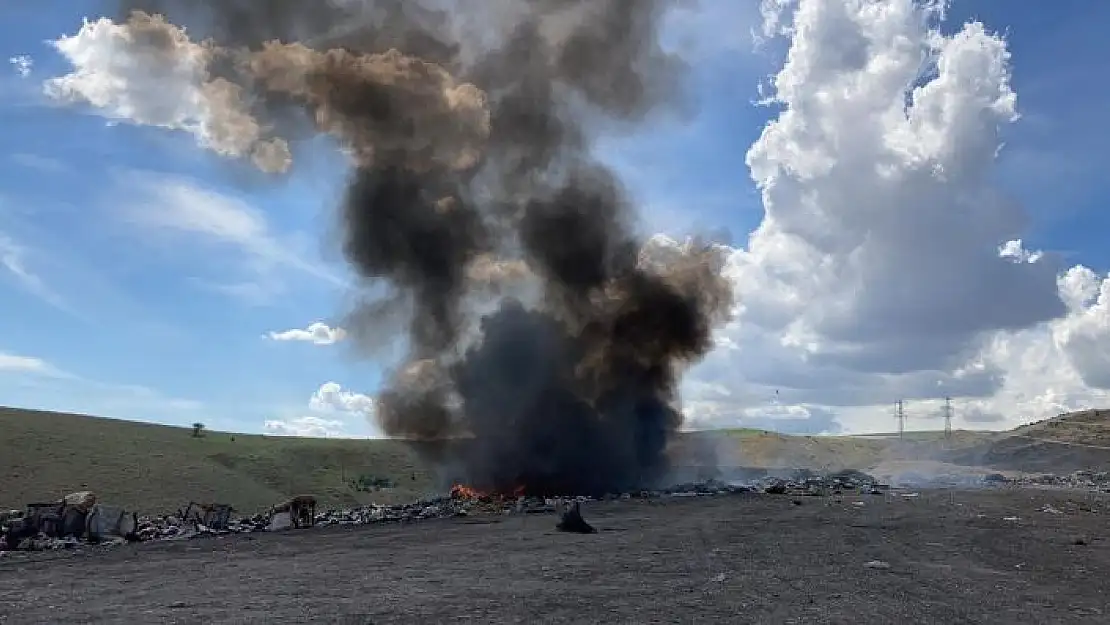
(156, 468)
(159, 468)
(44, 455)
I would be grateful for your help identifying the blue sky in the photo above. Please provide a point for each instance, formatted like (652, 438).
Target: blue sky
(143, 320)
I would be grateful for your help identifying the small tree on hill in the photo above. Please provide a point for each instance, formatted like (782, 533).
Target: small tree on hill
(198, 430)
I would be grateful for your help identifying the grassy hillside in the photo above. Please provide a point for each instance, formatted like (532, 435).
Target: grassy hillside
(152, 467)
(1068, 442)
(158, 468)
(758, 448)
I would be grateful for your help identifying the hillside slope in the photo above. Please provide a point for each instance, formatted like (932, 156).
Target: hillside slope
(156, 468)
(153, 467)
(44, 455)
(1069, 442)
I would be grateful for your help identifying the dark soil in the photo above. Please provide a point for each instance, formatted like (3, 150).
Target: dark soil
(945, 557)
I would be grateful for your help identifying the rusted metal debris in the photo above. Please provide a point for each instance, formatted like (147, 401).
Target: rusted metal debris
(301, 510)
(214, 516)
(76, 516)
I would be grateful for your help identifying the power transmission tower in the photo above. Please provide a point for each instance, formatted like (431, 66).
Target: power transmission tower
(901, 415)
(947, 418)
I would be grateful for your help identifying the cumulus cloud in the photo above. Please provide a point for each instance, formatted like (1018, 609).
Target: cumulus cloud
(1084, 334)
(22, 64)
(147, 73)
(332, 397)
(317, 333)
(888, 264)
(336, 413)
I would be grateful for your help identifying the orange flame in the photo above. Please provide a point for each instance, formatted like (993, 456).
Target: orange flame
(462, 491)
(459, 491)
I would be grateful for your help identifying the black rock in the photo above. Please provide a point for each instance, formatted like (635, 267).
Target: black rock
(574, 523)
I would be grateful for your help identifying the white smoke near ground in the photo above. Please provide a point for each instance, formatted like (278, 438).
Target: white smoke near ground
(888, 265)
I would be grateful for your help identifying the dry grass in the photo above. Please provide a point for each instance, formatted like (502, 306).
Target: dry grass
(1088, 427)
(1068, 442)
(158, 468)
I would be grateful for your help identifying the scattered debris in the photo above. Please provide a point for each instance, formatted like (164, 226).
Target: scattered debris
(1078, 480)
(215, 516)
(104, 522)
(55, 525)
(301, 511)
(809, 483)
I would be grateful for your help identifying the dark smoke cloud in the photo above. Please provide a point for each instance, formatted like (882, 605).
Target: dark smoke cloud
(472, 169)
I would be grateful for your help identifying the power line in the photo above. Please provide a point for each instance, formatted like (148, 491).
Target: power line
(947, 418)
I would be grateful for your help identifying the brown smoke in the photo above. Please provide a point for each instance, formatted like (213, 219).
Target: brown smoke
(537, 324)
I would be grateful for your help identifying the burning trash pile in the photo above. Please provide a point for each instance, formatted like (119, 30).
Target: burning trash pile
(79, 519)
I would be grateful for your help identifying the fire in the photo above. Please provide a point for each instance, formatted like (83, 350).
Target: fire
(459, 491)
(462, 491)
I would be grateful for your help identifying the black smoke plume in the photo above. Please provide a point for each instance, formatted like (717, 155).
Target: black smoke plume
(544, 338)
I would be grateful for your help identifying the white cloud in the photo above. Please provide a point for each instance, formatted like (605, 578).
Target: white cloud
(22, 64)
(313, 427)
(1015, 251)
(24, 364)
(1084, 334)
(316, 333)
(13, 258)
(888, 265)
(331, 397)
(339, 413)
(149, 75)
(170, 204)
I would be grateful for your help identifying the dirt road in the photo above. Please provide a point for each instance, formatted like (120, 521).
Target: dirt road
(941, 557)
